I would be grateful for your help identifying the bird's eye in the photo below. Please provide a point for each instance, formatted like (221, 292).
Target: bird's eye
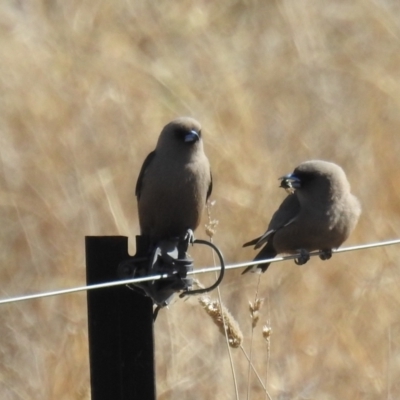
(180, 133)
(305, 177)
(187, 135)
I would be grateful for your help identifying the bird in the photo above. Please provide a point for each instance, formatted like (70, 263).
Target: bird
(319, 213)
(174, 183)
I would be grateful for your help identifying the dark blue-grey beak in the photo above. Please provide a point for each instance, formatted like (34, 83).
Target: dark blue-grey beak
(290, 181)
(191, 136)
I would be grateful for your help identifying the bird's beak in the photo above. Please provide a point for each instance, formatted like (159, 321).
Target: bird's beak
(191, 136)
(290, 182)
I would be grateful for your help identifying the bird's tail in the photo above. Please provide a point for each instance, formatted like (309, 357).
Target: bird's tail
(266, 252)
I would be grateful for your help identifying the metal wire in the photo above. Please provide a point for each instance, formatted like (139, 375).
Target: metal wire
(197, 271)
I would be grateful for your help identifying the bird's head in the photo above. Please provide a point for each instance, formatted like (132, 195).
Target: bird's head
(315, 174)
(184, 130)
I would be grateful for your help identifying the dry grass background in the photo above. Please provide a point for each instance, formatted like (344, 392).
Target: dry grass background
(86, 87)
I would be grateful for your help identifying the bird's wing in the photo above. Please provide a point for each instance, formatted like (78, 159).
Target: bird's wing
(210, 187)
(145, 165)
(283, 216)
(286, 213)
(254, 241)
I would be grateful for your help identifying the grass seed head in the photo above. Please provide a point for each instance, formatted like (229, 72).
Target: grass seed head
(221, 315)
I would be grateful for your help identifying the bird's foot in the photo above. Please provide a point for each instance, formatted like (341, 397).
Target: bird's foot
(303, 258)
(189, 236)
(326, 254)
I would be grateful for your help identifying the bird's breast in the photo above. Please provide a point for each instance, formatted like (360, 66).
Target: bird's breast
(172, 199)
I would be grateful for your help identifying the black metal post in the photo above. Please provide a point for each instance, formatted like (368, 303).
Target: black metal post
(120, 321)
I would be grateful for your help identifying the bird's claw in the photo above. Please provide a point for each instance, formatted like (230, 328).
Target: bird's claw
(303, 258)
(325, 254)
(189, 236)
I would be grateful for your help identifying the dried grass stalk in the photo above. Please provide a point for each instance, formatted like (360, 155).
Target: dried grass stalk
(255, 311)
(266, 332)
(211, 226)
(220, 314)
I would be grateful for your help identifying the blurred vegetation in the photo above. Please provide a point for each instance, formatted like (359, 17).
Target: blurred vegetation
(86, 86)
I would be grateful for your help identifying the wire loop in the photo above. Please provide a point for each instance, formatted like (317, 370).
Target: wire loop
(221, 273)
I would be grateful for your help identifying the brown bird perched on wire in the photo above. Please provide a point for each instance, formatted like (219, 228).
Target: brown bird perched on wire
(174, 182)
(318, 214)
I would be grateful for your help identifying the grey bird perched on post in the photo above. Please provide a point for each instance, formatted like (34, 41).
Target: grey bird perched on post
(318, 214)
(174, 182)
